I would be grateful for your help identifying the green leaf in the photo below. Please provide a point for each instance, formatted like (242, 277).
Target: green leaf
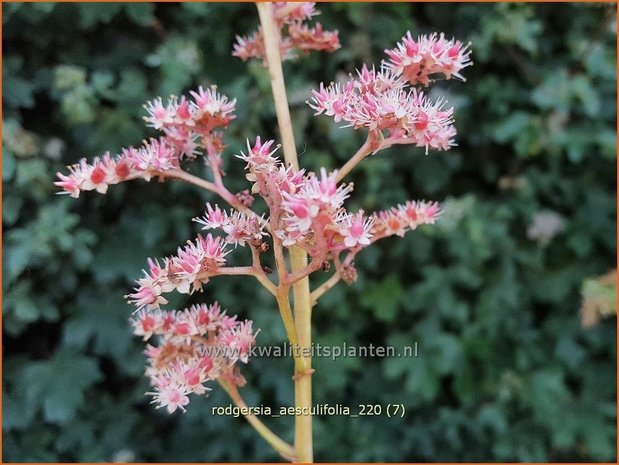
(140, 13)
(57, 386)
(93, 13)
(104, 320)
(383, 298)
(446, 352)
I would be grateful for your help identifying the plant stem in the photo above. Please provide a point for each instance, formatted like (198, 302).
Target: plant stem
(285, 311)
(298, 257)
(303, 378)
(324, 287)
(209, 186)
(363, 152)
(271, 35)
(281, 446)
(256, 272)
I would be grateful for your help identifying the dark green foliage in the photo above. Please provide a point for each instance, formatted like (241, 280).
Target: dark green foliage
(505, 371)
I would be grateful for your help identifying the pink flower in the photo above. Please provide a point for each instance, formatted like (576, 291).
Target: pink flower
(215, 218)
(155, 157)
(205, 255)
(325, 189)
(355, 229)
(300, 211)
(69, 184)
(419, 212)
(391, 221)
(158, 115)
(207, 111)
(185, 272)
(183, 139)
(211, 109)
(147, 294)
(251, 46)
(144, 325)
(260, 162)
(242, 228)
(96, 176)
(288, 180)
(171, 397)
(239, 340)
(332, 101)
(260, 156)
(290, 238)
(315, 195)
(183, 114)
(238, 226)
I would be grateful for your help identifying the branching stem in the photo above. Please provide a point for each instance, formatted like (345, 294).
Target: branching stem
(324, 287)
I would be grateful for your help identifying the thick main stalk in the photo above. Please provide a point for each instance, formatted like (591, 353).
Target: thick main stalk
(298, 257)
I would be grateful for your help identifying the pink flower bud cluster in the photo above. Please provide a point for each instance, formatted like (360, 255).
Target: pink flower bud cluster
(184, 272)
(419, 60)
(402, 218)
(294, 34)
(385, 104)
(196, 345)
(154, 158)
(207, 111)
(239, 227)
(187, 126)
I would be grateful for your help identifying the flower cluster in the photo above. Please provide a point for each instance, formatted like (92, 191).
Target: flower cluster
(314, 214)
(294, 34)
(418, 60)
(402, 218)
(238, 226)
(187, 126)
(196, 345)
(305, 209)
(184, 272)
(154, 158)
(384, 103)
(198, 117)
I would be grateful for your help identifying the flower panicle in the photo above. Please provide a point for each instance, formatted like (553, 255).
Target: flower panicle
(288, 13)
(196, 345)
(404, 217)
(295, 34)
(418, 61)
(239, 227)
(314, 216)
(187, 126)
(315, 38)
(385, 104)
(198, 117)
(184, 272)
(306, 209)
(386, 101)
(153, 158)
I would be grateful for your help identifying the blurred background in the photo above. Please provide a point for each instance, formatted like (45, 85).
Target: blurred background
(509, 297)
